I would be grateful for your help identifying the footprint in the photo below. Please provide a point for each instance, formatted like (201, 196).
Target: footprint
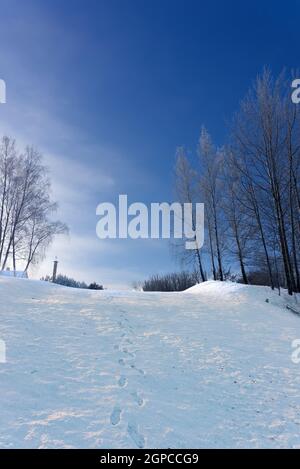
(122, 381)
(130, 354)
(122, 362)
(141, 372)
(115, 416)
(138, 399)
(138, 439)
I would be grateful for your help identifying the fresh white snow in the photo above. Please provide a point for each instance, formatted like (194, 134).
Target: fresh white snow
(210, 367)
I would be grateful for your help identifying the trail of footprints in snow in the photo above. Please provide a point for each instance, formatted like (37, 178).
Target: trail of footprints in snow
(115, 417)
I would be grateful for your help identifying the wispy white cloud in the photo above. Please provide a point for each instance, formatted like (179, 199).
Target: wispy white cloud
(82, 175)
(84, 170)
(74, 183)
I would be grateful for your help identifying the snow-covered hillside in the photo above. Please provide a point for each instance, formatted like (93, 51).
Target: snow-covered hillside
(210, 367)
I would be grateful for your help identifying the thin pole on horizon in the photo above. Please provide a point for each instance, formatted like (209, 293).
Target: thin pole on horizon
(55, 263)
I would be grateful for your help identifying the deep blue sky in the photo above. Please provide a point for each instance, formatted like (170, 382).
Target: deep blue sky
(108, 89)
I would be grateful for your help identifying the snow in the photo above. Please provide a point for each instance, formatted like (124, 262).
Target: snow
(210, 367)
(215, 288)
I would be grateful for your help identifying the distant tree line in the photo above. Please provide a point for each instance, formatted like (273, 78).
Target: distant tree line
(26, 210)
(70, 282)
(171, 282)
(180, 281)
(251, 190)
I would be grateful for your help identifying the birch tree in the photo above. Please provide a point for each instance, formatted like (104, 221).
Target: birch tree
(186, 190)
(26, 225)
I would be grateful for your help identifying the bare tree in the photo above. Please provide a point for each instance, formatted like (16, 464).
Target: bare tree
(40, 233)
(9, 162)
(267, 131)
(26, 226)
(251, 190)
(186, 190)
(241, 228)
(211, 192)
